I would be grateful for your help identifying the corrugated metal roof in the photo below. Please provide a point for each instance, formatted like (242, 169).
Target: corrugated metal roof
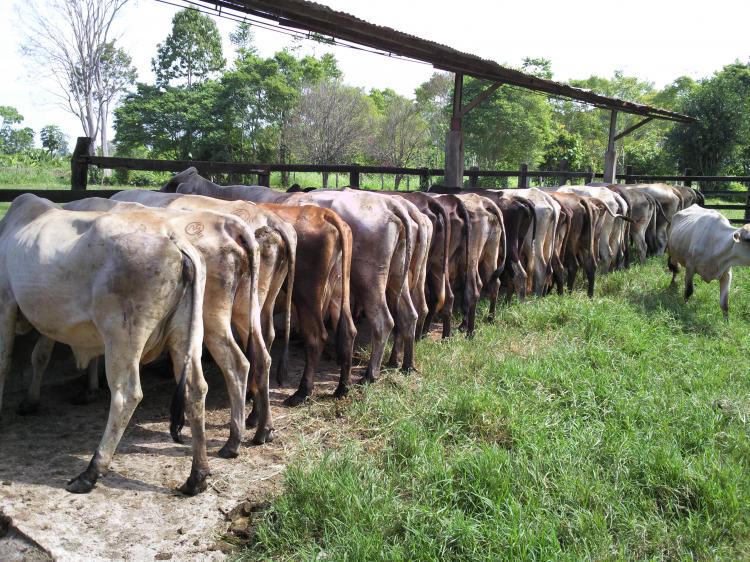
(310, 16)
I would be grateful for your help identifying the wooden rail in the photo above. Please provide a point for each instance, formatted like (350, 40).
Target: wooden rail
(83, 158)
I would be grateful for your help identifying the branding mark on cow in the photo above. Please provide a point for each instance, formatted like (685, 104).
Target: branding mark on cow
(194, 229)
(242, 213)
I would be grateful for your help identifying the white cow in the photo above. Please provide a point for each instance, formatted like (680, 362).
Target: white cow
(705, 243)
(124, 286)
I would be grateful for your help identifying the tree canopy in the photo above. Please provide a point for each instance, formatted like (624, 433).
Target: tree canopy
(293, 108)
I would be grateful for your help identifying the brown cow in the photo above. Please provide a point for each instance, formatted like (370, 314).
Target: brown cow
(580, 242)
(486, 253)
(382, 251)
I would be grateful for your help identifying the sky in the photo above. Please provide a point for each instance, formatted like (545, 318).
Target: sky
(655, 40)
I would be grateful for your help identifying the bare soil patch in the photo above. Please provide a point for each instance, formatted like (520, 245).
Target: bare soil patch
(134, 513)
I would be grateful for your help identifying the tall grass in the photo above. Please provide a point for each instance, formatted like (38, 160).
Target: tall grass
(612, 428)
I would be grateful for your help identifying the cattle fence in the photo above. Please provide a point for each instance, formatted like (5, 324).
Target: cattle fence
(83, 158)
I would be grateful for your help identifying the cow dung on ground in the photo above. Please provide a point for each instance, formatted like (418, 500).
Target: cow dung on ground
(134, 513)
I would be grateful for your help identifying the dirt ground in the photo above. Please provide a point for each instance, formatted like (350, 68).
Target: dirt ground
(134, 512)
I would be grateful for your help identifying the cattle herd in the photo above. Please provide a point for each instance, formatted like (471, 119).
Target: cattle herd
(146, 273)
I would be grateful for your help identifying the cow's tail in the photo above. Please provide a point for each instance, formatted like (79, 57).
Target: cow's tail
(468, 287)
(193, 276)
(291, 257)
(660, 209)
(344, 333)
(618, 215)
(699, 196)
(440, 211)
(589, 216)
(250, 244)
(532, 213)
(495, 210)
(564, 211)
(403, 216)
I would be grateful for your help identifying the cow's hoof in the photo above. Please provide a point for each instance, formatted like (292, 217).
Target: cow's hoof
(296, 399)
(85, 397)
(80, 485)
(229, 452)
(263, 436)
(195, 484)
(408, 369)
(252, 419)
(367, 379)
(340, 392)
(25, 408)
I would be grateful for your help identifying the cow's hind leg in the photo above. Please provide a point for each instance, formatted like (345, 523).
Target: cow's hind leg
(195, 408)
(724, 285)
(313, 330)
(88, 395)
(674, 267)
(126, 393)
(39, 360)
(689, 274)
(234, 366)
(381, 323)
(8, 313)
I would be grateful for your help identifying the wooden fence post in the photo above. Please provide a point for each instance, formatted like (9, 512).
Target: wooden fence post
(629, 174)
(264, 178)
(747, 204)
(688, 172)
(473, 176)
(79, 165)
(523, 174)
(424, 179)
(354, 178)
(590, 177)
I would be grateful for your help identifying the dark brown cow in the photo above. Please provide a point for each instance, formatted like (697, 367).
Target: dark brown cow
(518, 218)
(486, 254)
(324, 255)
(460, 278)
(579, 249)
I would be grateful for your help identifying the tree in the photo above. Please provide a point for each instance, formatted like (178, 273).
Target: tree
(14, 140)
(592, 124)
(243, 39)
(718, 143)
(172, 122)
(53, 140)
(67, 39)
(331, 124)
(434, 99)
(509, 127)
(400, 131)
(116, 74)
(192, 50)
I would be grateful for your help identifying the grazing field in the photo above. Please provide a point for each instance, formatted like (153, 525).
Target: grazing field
(615, 428)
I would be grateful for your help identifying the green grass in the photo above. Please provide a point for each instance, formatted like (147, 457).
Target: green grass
(729, 213)
(612, 428)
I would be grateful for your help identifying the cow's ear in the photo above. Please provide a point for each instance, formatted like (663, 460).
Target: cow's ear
(737, 236)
